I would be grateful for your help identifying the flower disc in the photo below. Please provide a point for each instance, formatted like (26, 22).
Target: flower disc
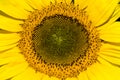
(60, 40)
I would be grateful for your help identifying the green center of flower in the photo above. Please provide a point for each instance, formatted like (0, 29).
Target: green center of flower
(59, 39)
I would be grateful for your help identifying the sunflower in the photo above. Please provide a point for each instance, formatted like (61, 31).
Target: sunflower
(59, 40)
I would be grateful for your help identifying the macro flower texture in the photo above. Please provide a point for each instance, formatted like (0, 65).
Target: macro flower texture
(59, 39)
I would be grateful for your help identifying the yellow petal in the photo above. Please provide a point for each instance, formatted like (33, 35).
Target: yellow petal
(112, 19)
(96, 72)
(104, 62)
(54, 78)
(36, 4)
(115, 16)
(92, 75)
(11, 56)
(106, 72)
(83, 3)
(110, 58)
(80, 76)
(10, 24)
(64, 1)
(16, 8)
(110, 50)
(38, 76)
(28, 74)
(39, 4)
(9, 36)
(7, 47)
(83, 76)
(74, 78)
(9, 39)
(12, 69)
(111, 33)
(109, 54)
(10, 52)
(21, 4)
(100, 11)
(106, 47)
(45, 3)
(45, 77)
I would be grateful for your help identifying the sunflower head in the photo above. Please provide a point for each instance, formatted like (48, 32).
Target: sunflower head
(60, 40)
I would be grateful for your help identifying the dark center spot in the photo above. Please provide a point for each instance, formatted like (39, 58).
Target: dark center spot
(60, 39)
